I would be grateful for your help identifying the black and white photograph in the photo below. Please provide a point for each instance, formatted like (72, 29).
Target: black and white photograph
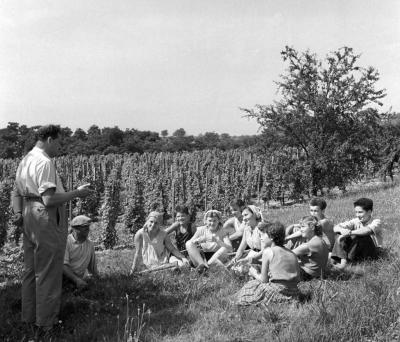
(180, 170)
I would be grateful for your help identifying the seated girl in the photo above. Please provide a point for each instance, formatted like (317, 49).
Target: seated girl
(251, 237)
(210, 244)
(153, 246)
(280, 271)
(317, 209)
(235, 225)
(182, 229)
(313, 253)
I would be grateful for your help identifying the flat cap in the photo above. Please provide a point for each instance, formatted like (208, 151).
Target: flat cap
(81, 221)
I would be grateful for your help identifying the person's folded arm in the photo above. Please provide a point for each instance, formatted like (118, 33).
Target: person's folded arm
(51, 198)
(69, 273)
(241, 248)
(344, 228)
(301, 250)
(235, 235)
(295, 235)
(172, 249)
(173, 227)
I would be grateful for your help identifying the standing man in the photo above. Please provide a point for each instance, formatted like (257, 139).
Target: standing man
(39, 199)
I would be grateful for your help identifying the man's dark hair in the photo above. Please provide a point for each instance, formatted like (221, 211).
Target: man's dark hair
(182, 209)
(44, 132)
(366, 203)
(237, 203)
(320, 202)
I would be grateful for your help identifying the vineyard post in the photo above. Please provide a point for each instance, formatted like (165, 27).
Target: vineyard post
(258, 183)
(205, 193)
(71, 182)
(173, 196)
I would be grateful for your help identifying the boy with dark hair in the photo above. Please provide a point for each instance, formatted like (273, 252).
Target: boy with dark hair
(358, 238)
(317, 209)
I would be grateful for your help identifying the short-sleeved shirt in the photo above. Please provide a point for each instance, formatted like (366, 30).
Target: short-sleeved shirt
(37, 173)
(204, 232)
(328, 233)
(252, 238)
(80, 256)
(375, 226)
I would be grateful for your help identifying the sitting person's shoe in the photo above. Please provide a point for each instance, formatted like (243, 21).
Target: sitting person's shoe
(201, 269)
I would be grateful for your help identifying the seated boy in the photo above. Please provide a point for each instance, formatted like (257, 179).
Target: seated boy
(317, 209)
(358, 238)
(79, 252)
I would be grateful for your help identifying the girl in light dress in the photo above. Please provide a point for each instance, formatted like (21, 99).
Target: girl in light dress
(153, 246)
(251, 245)
(210, 243)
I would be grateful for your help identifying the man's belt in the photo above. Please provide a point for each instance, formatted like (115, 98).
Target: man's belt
(33, 199)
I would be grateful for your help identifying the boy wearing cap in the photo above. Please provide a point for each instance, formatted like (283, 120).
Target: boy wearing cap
(79, 253)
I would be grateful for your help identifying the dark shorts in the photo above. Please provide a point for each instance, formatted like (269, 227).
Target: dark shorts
(207, 255)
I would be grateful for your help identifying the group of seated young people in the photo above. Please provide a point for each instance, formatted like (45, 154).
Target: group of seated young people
(278, 258)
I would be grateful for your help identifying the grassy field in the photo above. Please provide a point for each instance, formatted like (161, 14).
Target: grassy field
(360, 304)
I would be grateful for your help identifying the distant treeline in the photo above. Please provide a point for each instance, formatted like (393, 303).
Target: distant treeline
(16, 140)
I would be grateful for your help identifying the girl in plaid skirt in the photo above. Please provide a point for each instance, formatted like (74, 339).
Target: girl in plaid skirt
(280, 272)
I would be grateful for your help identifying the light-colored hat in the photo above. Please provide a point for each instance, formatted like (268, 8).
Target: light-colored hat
(81, 221)
(213, 212)
(256, 211)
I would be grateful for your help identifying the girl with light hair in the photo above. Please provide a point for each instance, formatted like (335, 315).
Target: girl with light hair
(153, 246)
(210, 244)
(313, 253)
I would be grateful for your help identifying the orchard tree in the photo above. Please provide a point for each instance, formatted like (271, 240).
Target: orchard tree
(326, 111)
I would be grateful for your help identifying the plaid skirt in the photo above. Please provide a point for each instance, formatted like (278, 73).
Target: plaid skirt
(255, 292)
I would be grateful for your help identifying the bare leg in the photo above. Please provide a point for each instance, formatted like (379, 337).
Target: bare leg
(194, 254)
(215, 259)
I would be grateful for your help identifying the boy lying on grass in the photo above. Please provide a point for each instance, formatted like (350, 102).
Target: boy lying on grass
(153, 246)
(280, 272)
(359, 238)
(317, 209)
(210, 244)
(79, 253)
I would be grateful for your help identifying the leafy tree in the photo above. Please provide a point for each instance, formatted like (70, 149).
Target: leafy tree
(80, 134)
(325, 112)
(179, 133)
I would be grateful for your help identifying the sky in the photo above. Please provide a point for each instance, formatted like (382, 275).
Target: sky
(157, 64)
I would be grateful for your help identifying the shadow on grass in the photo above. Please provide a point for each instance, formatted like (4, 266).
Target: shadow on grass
(101, 311)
